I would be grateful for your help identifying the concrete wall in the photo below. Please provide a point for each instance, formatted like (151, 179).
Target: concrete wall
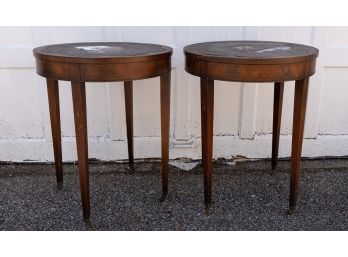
(243, 112)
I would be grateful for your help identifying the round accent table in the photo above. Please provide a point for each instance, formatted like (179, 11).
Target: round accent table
(253, 61)
(102, 62)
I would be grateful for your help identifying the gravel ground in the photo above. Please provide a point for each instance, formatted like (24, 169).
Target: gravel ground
(246, 196)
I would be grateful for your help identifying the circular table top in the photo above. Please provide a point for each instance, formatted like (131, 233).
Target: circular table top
(251, 52)
(95, 52)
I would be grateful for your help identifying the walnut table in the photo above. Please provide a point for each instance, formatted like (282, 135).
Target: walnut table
(102, 62)
(253, 61)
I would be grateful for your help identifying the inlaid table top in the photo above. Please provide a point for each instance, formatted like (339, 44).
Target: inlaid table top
(251, 51)
(102, 52)
(250, 61)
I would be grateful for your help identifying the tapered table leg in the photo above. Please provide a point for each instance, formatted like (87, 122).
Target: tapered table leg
(207, 118)
(277, 116)
(165, 121)
(53, 102)
(300, 102)
(80, 116)
(128, 96)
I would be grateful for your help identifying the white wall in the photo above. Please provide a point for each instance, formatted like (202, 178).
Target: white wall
(243, 114)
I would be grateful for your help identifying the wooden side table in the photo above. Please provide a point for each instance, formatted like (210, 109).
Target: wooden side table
(253, 61)
(102, 62)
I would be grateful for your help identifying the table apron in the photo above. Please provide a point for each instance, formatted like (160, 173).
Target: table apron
(89, 72)
(250, 72)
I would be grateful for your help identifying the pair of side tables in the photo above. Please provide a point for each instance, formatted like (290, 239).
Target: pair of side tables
(243, 61)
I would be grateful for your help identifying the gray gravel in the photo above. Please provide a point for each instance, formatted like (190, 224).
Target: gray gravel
(247, 196)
